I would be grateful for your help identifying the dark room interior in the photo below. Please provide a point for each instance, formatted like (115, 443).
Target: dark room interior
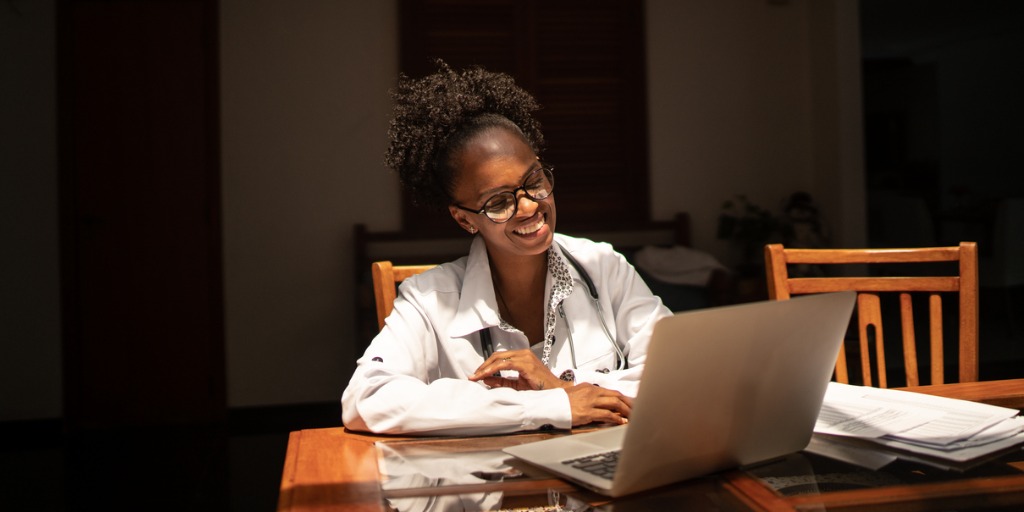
(195, 451)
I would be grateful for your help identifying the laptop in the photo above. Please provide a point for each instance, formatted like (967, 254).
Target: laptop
(722, 388)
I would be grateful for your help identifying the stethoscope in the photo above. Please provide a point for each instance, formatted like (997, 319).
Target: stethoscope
(621, 362)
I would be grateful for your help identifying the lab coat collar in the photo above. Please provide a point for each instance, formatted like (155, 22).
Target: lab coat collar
(478, 309)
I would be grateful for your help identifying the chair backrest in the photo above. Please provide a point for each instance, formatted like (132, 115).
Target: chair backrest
(385, 280)
(963, 283)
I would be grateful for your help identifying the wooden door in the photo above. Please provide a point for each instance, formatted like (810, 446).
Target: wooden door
(140, 213)
(583, 60)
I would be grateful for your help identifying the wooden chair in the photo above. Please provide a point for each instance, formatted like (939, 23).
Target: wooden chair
(385, 280)
(869, 316)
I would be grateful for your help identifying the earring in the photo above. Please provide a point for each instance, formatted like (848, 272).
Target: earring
(472, 230)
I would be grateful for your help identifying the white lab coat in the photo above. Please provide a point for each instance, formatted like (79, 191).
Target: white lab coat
(413, 376)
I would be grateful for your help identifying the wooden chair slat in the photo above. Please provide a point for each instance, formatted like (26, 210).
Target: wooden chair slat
(804, 285)
(386, 278)
(963, 282)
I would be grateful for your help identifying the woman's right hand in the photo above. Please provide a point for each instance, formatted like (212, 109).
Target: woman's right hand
(592, 404)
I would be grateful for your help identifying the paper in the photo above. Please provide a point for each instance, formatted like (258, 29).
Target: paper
(943, 428)
(956, 454)
(865, 419)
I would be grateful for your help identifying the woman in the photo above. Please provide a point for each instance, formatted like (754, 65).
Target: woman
(507, 338)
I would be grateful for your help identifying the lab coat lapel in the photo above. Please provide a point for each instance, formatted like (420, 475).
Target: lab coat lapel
(477, 307)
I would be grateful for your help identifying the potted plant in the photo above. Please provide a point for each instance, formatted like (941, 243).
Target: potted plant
(749, 227)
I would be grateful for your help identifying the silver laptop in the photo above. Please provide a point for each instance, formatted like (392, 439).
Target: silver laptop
(722, 388)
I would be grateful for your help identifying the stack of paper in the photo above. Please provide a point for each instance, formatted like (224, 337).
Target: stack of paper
(940, 431)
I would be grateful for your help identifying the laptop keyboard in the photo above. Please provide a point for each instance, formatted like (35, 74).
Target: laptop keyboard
(600, 464)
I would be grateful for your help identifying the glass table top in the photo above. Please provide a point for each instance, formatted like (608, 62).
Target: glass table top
(474, 474)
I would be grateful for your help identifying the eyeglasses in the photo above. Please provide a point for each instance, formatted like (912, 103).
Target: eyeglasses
(501, 207)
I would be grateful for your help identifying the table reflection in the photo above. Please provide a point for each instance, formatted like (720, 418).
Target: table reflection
(806, 473)
(462, 474)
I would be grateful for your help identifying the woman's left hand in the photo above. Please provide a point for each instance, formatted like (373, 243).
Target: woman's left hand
(533, 375)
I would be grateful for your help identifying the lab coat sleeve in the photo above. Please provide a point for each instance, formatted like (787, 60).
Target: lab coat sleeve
(631, 311)
(401, 386)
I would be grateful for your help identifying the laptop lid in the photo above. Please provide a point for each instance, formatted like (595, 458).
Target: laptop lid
(722, 387)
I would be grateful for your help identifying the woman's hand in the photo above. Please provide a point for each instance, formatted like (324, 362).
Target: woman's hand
(533, 375)
(589, 403)
(592, 403)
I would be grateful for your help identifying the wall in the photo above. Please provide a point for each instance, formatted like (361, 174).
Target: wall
(30, 367)
(747, 98)
(304, 111)
(837, 121)
(742, 99)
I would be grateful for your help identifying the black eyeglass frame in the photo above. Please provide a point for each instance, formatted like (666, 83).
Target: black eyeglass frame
(550, 175)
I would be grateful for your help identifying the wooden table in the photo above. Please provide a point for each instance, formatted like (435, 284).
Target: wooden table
(335, 469)
(1004, 393)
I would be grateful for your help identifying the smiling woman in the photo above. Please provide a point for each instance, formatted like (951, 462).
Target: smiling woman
(485, 344)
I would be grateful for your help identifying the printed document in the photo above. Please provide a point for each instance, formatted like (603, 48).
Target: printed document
(935, 427)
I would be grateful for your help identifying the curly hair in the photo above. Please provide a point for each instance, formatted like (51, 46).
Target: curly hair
(436, 115)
